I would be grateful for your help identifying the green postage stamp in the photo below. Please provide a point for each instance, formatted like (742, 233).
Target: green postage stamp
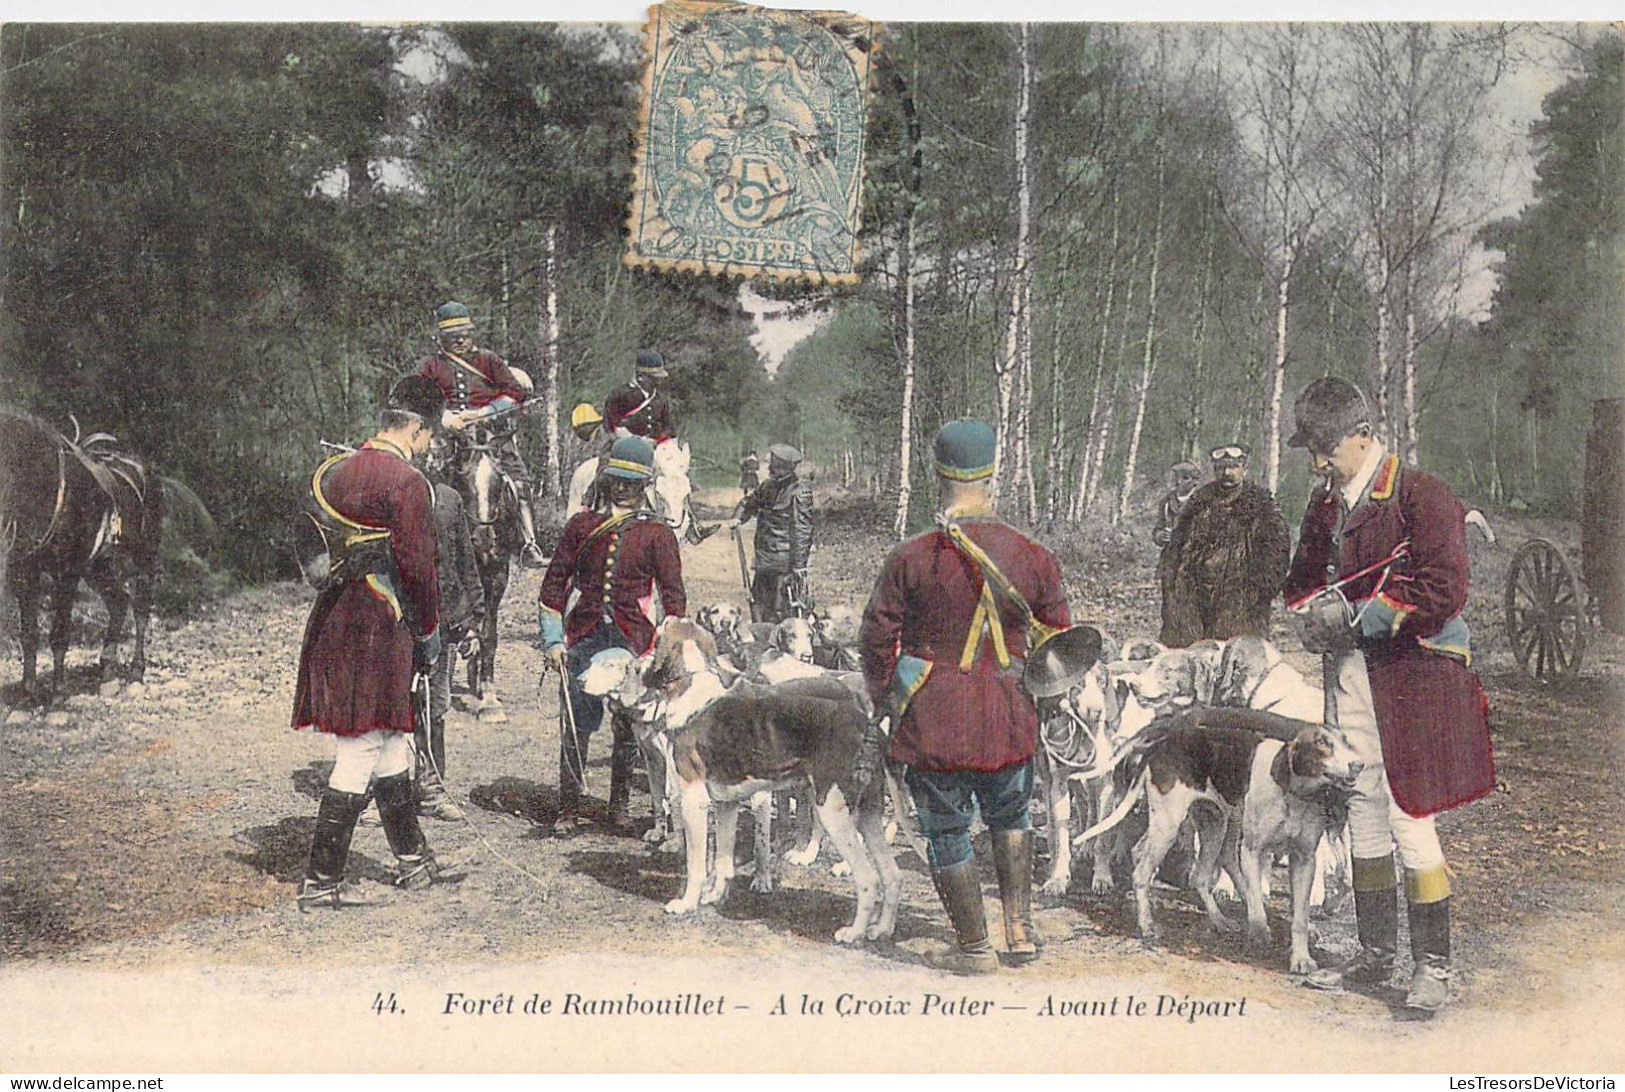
(751, 140)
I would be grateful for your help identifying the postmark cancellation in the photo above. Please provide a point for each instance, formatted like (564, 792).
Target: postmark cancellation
(750, 146)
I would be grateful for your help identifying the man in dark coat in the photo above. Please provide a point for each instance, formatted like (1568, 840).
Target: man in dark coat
(1185, 479)
(639, 407)
(941, 652)
(614, 555)
(482, 392)
(462, 612)
(1405, 693)
(782, 508)
(1225, 561)
(372, 628)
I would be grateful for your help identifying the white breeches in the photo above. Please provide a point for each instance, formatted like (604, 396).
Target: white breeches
(359, 759)
(1376, 823)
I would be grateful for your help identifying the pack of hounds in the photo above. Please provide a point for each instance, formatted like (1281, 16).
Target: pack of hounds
(1220, 745)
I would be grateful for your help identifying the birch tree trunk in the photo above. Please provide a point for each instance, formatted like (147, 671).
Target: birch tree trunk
(1197, 404)
(1024, 282)
(549, 342)
(507, 299)
(1054, 472)
(1148, 357)
(1408, 442)
(1081, 498)
(905, 444)
(1015, 377)
(905, 343)
(1110, 418)
(1272, 416)
(1385, 279)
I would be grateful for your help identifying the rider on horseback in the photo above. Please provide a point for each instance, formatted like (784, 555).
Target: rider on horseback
(639, 407)
(482, 394)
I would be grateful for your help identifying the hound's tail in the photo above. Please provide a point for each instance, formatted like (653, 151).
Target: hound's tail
(1135, 793)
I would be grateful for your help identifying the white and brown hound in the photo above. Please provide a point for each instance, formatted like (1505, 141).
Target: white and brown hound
(1267, 794)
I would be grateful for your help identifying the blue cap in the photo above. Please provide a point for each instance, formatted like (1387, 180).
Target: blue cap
(651, 363)
(632, 457)
(965, 449)
(453, 316)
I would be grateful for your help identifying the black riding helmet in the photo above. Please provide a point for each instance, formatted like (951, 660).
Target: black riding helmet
(420, 395)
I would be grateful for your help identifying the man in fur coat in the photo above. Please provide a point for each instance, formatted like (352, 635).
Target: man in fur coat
(1226, 560)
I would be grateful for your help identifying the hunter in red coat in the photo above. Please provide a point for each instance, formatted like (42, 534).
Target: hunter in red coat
(942, 652)
(1406, 695)
(373, 627)
(639, 407)
(482, 392)
(613, 556)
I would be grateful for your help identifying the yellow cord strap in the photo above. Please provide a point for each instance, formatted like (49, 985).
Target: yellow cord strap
(362, 532)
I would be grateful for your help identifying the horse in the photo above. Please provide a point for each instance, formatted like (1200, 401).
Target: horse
(69, 512)
(669, 490)
(492, 505)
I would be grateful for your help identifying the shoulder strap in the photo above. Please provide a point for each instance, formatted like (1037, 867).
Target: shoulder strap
(465, 365)
(990, 571)
(359, 532)
(643, 405)
(986, 610)
(604, 528)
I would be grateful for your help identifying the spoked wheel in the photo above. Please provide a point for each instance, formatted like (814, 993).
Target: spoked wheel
(1545, 613)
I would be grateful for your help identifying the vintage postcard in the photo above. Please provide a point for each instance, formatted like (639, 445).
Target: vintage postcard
(753, 540)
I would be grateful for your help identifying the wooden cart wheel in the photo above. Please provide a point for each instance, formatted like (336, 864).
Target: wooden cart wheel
(1545, 613)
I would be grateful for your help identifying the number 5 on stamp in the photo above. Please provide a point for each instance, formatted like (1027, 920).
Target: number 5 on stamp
(751, 142)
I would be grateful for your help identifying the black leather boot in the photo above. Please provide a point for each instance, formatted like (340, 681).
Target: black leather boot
(397, 806)
(1376, 918)
(572, 784)
(324, 883)
(1013, 860)
(1430, 945)
(961, 895)
(622, 760)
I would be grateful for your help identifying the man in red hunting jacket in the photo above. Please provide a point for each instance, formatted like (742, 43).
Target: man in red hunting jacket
(1406, 695)
(375, 625)
(614, 555)
(639, 407)
(481, 390)
(942, 651)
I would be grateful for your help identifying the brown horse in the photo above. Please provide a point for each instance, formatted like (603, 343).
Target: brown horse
(68, 513)
(493, 524)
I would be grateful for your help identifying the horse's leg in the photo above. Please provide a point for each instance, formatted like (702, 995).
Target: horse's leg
(493, 603)
(106, 581)
(63, 589)
(142, 591)
(491, 708)
(25, 584)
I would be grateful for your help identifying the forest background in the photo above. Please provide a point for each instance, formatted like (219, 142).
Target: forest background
(1122, 243)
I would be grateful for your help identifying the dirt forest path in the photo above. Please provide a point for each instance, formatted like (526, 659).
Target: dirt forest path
(153, 839)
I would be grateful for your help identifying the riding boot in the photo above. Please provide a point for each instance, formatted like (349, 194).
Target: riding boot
(1376, 920)
(530, 556)
(572, 783)
(1013, 860)
(1430, 945)
(324, 883)
(416, 863)
(961, 895)
(623, 758)
(433, 800)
